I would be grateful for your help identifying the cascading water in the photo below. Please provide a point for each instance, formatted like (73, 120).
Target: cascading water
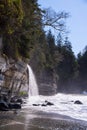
(33, 87)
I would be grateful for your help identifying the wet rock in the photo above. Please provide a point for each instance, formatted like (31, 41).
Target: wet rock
(48, 103)
(43, 104)
(19, 100)
(3, 106)
(35, 104)
(14, 106)
(13, 100)
(16, 100)
(78, 102)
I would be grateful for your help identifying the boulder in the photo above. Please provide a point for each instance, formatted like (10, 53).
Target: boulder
(19, 100)
(35, 104)
(48, 103)
(43, 104)
(78, 102)
(4, 106)
(14, 106)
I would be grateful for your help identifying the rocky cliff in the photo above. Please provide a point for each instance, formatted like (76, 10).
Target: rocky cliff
(47, 81)
(15, 77)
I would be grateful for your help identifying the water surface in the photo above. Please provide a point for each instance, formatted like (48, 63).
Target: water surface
(63, 115)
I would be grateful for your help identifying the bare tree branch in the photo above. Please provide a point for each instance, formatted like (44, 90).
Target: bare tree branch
(55, 20)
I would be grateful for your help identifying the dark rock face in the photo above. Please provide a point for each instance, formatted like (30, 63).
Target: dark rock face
(47, 82)
(5, 106)
(78, 102)
(21, 66)
(15, 76)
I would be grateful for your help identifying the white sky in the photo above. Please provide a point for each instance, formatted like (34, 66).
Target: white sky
(76, 23)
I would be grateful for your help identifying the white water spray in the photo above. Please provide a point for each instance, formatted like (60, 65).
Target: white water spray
(33, 87)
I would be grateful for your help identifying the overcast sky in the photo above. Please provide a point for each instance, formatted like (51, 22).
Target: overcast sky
(76, 23)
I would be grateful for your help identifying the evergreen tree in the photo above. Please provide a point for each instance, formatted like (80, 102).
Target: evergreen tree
(67, 69)
(82, 62)
(11, 16)
(31, 28)
(53, 56)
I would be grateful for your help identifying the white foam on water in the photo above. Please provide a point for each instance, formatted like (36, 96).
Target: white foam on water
(63, 104)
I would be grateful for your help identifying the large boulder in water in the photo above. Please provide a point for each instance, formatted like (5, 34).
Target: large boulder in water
(48, 103)
(78, 102)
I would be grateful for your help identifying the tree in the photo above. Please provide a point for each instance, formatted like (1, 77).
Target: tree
(31, 28)
(11, 15)
(68, 45)
(59, 42)
(68, 67)
(82, 61)
(22, 40)
(38, 57)
(55, 20)
(53, 55)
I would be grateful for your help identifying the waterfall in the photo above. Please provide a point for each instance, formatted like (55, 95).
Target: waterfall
(33, 87)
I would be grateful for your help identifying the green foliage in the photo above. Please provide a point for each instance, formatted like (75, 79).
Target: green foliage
(31, 28)
(82, 68)
(21, 27)
(53, 56)
(68, 67)
(11, 16)
(82, 61)
(38, 56)
(10, 46)
(23, 93)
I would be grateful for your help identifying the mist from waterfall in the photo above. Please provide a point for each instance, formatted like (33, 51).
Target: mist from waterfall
(33, 87)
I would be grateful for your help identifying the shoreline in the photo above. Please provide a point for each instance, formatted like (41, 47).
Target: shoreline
(47, 114)
(38, 120)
